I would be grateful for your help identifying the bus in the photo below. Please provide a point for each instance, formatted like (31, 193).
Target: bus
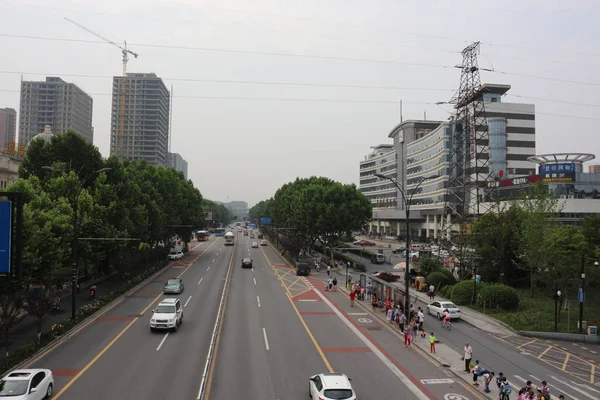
(219, 231)
(229, 239)
(202, 236)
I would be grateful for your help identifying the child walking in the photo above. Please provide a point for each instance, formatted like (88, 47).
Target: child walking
(432, 342)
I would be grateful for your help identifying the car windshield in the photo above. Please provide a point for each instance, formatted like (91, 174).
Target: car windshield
(173, 282)
(162, 309)
(13, 388)
(338, 394)
(448, 305)
(246, 260)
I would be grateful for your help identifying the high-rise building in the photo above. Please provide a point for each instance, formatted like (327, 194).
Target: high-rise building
(62, 105)
(140, 118)
(8, 127)
(594, 169)
(178, 163)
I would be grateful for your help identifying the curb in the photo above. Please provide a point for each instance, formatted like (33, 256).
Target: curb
(83, 324)
(419, 349)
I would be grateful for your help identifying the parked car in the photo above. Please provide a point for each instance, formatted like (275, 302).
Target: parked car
(364, 243)
(387, 276)
(175, 255)
(399, 250)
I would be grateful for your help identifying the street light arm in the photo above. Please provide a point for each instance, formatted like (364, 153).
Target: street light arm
(395, 184)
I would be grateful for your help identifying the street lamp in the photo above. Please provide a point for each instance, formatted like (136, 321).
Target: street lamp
(581, 291)
(407, 198)
(75, 234)
(556, 299)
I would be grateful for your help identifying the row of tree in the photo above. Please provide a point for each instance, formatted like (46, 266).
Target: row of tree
(524, 244)
(316, 209)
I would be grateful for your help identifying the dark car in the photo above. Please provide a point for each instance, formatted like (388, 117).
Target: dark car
(399, 250)
(302, 269)
(387, 276)
(246, 263)
(174, 285)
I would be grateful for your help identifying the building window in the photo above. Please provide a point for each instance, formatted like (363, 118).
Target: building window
(497, 144)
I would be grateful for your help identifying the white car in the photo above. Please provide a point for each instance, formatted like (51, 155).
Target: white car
(175, 255)
(168, 314)
(255, 245)
(437, 308)
(27, 384)
(263, 242)
(330, 386)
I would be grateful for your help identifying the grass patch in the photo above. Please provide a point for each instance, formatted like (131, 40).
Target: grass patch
(537, 314)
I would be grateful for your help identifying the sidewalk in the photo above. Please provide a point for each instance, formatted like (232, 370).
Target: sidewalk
(25, 331)
(448, 357)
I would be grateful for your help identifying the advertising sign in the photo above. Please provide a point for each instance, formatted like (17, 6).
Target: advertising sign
(558, 177)
(209, 216)
(556, 168)
(515, 181)
(5, 235)
(265, 221)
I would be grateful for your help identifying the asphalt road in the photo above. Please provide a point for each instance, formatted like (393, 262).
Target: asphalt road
(280, 329)
(117, 357)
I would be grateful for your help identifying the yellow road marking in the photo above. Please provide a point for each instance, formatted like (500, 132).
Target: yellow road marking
(116, 338)
(545, 351)
(592, 373)
(528, 343)
(566, 362)
(302, 321)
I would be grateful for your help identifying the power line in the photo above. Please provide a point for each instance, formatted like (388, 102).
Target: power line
(306, 56)
(574, 103)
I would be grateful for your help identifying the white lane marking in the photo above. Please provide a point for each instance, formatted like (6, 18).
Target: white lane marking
(436, 381)
(208, 269)
(307, 300)
(162, 341)
(213, 260)
(562, 391)
(583, 392)
(357, 313)
(254, 281)
(266, 340)
(200, 281)
(258, 300)
(188, 300)
(386, 361)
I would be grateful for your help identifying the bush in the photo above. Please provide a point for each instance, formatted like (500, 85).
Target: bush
(500, 296)
(446, 291)
(449, 275)
(429, 265)
(462, 293)
(438, 279)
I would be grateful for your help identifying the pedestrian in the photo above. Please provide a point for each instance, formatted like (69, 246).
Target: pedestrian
(329, 270)
(402, 322)
(407, 335)
(476, 372)
(352, 296)
(334, 284)
(388, 315)
(330, 283)
(362, 293)
(486, 382)
(432, 342)
(544, 390)
(506, 390)
(369, 289)
(467, 357)
(374, 301)
(561, 397)
(421, 318)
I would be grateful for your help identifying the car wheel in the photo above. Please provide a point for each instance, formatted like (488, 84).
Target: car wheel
(438, 316)
(152, 330)
(49, 391)
(175, 327)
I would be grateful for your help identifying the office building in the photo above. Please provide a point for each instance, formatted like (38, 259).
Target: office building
(140, 118)
(8, 128)
(62, 105)
(382, 160)
(178, 163)
(423, 149)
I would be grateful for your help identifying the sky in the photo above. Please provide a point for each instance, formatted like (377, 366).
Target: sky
(265, 91)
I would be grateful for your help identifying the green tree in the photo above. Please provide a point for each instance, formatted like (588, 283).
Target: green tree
(262, 209)
(11, 303)
(565, 245)
(541, 209)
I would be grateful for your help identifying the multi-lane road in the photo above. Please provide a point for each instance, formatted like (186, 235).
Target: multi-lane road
(277, 330)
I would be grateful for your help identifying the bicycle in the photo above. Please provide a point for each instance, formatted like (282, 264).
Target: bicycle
(447, 325)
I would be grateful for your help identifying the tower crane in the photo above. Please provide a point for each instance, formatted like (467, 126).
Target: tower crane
(124, 85)
(124, 49)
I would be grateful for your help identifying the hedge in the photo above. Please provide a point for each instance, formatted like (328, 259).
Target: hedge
(462, 293)
(438, 279)
(446, 291)
(500, 296)
(21, 353)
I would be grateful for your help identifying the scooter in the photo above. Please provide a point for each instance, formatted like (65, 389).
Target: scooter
(92, 292)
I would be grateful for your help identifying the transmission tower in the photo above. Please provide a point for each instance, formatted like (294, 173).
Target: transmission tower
(470, 163)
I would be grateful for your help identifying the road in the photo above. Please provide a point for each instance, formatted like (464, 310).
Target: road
(277, 331)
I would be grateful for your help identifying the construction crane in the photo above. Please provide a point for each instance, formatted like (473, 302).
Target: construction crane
(124, 49)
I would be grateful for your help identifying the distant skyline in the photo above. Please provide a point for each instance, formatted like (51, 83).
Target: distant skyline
(268, 91)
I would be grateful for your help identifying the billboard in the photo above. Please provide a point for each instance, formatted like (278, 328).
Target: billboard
(515, 181)
(209, 216)
(557, 168)
(558, 177)
(5, 235)
(265, 221)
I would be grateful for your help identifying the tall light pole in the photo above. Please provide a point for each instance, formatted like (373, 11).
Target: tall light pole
(75, 234)
(407, 198)
(581, 291)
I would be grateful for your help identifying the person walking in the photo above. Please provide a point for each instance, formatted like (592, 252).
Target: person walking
(402, 322)
(352, 296)
(330, 283)
(334, 281)
(328, 270)
(467, 357)
(407, 336)
(432, 342)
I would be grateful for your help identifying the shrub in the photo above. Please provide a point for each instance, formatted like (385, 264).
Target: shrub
(462, 293)
(448, 273)
(446, 291)
(429, 265)
(502, 296)
(438, 279)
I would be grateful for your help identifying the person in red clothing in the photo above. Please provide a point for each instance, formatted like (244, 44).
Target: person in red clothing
(352, 296)
(406, 336)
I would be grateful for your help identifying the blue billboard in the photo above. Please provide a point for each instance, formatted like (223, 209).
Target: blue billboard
(557, 168)
(5, 235)
(265, 221)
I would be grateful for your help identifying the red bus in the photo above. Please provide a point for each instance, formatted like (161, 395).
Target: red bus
(202, 236)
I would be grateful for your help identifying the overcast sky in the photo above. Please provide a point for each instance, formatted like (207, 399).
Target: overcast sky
(246, 148)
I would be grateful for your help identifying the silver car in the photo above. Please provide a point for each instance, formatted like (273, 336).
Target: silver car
(27, 384)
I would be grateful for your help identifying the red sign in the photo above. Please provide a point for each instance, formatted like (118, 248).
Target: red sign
(515, 181)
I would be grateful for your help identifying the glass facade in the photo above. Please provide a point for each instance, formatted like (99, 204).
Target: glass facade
(497, 144)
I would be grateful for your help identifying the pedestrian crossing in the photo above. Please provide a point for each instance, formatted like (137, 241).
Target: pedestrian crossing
(571, 389)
